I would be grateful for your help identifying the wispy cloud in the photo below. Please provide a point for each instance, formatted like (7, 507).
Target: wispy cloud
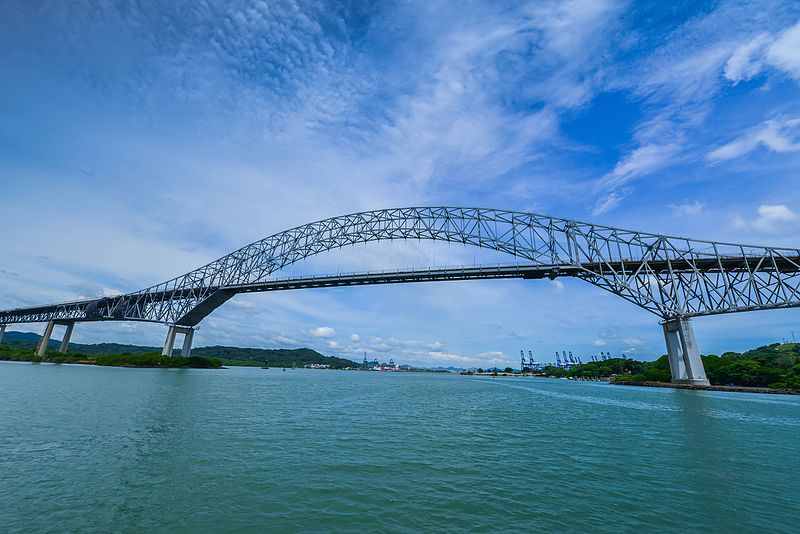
(679, 81)
(640, 162)
(780, 52)
(777, 135)
(771, 219)
(688, 209)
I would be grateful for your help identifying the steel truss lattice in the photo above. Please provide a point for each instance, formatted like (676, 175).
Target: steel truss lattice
(668, 276)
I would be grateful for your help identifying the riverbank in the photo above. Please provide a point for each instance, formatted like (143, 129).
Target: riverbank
(739, 389)
(147, 360)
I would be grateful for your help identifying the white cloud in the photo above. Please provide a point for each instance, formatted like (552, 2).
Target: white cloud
(679, 81)
(439, 356)
(640, 162)
(558, 286)
(781, 52)
(492, 357)
(355, 338)
(688, 209)
(609, 202)
(322, 331)
(746, 61)
(784, 53)
(771, 219)
(634, 342)
(776, 135)
(599, 342)
(643, 160)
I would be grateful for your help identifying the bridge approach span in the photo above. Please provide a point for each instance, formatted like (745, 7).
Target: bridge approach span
(674, 278)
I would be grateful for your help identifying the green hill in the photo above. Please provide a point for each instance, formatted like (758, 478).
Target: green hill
(275, 357)
(227, 355)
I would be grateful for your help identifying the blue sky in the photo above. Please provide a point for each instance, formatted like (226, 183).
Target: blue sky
(139, 140)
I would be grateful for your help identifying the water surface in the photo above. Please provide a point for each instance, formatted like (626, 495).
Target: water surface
(106, 449)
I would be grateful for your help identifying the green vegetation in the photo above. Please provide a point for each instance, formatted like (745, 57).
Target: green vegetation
(775, 366)
(275, 357)
(148, 359)
(228, 356)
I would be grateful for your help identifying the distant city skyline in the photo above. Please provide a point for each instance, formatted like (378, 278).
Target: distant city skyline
(138, 142)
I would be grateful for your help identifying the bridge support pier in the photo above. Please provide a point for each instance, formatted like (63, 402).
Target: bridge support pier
(186, 350)
(67, 335)
(2, 331)
(685, 365)
(169, 344)
(41, 350)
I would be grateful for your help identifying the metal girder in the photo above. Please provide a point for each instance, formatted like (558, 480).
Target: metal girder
(668, 276)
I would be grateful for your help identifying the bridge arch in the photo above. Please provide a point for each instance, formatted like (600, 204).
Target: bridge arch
(668, 276)
(674, 278)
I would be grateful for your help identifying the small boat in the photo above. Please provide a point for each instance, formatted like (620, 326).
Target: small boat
(266, 365)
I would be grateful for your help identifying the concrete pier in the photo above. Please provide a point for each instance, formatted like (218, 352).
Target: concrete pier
(169, 344)
(67, 335)
(685, 364)
(186, 351)
(41, 350)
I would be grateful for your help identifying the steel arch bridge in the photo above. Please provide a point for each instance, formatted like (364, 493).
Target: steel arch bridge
(674, 278)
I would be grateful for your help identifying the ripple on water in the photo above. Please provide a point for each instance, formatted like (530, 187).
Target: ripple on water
(241, 449)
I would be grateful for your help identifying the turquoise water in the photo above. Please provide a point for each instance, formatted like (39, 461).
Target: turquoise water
(102, 449)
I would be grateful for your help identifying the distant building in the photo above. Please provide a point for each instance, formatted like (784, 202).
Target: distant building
(375, 365)
(370, 364)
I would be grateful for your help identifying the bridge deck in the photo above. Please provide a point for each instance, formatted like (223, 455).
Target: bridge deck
(220, 294)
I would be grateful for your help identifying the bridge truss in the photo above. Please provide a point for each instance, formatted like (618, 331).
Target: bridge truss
(674, 278)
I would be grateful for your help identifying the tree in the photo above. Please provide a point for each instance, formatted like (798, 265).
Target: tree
(740, 372)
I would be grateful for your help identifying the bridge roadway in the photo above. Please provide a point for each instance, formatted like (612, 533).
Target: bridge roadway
(81, 310)
(220, 294)
(528, 272)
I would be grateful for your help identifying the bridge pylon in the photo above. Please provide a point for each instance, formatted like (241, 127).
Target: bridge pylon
(2, 332)
(67, 335)
(41, 350)
(44, 342)
(685, 364)
(188, 336)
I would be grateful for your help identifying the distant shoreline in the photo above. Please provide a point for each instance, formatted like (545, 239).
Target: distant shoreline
(132, 361)
(736, 389)
(94, 364)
